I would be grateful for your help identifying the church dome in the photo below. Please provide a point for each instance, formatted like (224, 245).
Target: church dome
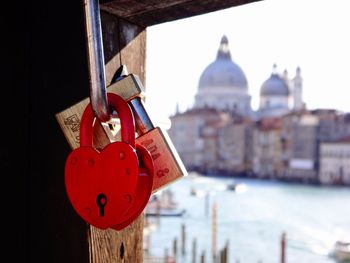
(274, 85)
(223, 72)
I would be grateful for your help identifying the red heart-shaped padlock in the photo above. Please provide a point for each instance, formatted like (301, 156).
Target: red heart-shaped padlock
(144, 187)
(101, 184)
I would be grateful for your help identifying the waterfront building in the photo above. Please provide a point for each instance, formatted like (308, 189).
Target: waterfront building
(333, 124)
(335, 162)
(222, 134)
(267, 148)
(300, 151)
(194, 133)
(213, 141)
(215, 134)
(235, 146)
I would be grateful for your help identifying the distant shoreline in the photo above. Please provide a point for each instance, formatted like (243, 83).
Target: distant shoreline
(250, 175)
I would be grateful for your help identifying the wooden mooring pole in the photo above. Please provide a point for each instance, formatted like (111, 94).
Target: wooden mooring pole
(175, 247)
(206, 204)
(166, 255)
(283, 248)
(226, 252)
(213, 231)
(194, 250)
(183, 239)
(202, 259)
(223, 255)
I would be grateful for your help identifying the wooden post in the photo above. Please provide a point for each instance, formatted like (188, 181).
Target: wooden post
(202, 260)
(213, 231)
(223, 255)
(206, 204)
(183, 239)
(220, 256)
(166, 255)
(175, 247)
(148, 243)
(194, 250)
(226, 251)
(283, 247)
(158, 208)
(124, 43)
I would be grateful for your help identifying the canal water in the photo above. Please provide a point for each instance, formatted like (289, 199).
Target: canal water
(252, 220)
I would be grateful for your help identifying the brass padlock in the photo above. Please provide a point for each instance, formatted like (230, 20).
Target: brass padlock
(167, 163)
(69, 119)
(168, 166)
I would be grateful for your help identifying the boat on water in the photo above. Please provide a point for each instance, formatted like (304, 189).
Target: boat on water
(236, 187)
(232, 186)
(163, 205)
(166, 212)
(341, 251)
(193, 191)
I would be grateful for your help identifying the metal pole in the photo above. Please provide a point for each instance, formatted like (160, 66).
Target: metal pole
(98, 95)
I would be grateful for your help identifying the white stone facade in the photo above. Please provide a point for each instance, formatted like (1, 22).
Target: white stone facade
(335, 163)
(224, 98)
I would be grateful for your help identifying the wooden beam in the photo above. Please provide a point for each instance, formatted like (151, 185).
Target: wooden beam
(151, 12)
(124, 43)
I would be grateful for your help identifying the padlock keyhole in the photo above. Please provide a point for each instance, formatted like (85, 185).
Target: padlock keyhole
(101, 201)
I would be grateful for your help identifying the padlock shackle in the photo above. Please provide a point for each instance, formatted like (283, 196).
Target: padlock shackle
(125, 115)
(96, 64)
(144, 123)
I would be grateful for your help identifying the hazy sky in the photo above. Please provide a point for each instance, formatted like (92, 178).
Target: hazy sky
(312, 34)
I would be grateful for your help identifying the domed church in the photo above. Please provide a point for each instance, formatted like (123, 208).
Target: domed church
(279, 94)
(218, 132)
(223, 84)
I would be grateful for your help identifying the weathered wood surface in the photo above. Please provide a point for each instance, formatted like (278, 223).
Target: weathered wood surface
(58, 78)
(123, 46)
(129, 39)
(151, 12)
(112, 246)
(124, 43)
